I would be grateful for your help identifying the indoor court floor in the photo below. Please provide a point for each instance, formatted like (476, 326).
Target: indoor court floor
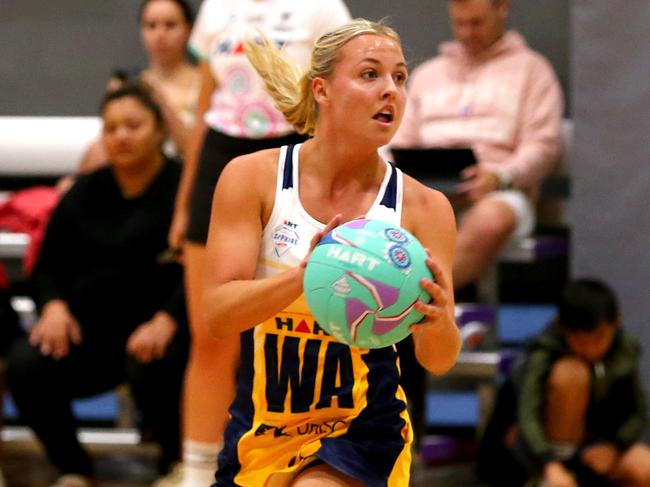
(125, 465)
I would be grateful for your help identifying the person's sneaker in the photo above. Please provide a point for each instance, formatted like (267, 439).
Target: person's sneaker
(173, 479)
(73, 480)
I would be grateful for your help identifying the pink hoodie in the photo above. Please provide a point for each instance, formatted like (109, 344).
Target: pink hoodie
(506, 104)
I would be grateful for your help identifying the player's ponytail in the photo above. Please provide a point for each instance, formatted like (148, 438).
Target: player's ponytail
(289, 87)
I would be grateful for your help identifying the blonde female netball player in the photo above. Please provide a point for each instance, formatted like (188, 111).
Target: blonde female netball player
(310, 411)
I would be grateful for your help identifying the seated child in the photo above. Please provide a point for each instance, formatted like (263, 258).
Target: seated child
(578, 407)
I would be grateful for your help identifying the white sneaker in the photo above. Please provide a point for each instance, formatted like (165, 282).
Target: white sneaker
(173, 479)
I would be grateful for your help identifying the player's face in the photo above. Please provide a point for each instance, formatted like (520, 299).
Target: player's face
(592, 345)
(130, 134)
(477, 24)
(164, 31)
(368, 87)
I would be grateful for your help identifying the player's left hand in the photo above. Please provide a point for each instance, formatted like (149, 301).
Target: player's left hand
(439, 290)
(149, 341)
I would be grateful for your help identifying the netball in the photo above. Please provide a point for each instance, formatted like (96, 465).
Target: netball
(362, 281)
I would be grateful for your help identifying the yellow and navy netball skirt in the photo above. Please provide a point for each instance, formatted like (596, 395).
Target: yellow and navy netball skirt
(303, 397)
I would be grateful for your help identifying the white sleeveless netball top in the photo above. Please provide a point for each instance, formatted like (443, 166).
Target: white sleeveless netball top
(300, 392)
(288, 233)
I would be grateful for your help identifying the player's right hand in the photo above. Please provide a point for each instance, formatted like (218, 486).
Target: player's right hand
(56, 330)
(333, 223)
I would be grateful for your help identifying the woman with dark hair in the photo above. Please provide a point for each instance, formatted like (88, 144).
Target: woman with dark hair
(111, 305)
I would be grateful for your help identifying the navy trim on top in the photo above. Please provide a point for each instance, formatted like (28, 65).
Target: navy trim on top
(390, 194)
(287, 180)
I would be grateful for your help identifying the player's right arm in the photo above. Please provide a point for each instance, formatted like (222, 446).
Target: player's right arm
(233, 300)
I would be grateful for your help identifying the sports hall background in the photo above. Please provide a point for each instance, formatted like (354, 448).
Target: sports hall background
(55, 57)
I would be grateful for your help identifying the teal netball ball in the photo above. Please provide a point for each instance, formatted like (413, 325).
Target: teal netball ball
(362, 281)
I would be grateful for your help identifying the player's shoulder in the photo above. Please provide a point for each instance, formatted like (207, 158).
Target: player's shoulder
(256, 165)
(418, 195)
(422, 203)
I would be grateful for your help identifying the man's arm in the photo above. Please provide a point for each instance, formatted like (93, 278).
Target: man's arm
(539, 137)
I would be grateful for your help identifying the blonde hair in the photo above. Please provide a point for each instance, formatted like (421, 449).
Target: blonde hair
(289, 87)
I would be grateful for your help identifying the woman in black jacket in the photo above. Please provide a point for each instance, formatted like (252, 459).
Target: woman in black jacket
(111, 306)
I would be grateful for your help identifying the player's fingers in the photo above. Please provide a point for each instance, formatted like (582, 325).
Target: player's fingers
(333, 223)
(438, 275)
(437, 293)
(430, 310)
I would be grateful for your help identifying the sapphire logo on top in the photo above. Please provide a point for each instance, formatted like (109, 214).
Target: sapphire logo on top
(285, 237)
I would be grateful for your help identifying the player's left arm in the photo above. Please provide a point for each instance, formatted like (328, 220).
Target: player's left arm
(429, 216)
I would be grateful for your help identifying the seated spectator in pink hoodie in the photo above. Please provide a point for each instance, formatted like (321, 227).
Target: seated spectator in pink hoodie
(491, 92)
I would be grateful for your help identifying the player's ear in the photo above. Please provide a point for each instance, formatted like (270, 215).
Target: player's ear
(320, 90)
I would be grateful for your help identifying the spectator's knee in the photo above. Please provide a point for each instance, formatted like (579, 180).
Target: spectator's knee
(488, 223)
(24, 364)
(570, 374)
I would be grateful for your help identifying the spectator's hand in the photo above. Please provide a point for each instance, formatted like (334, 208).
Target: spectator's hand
(601, 458)
(439, 290)
(149, 341)
(477, 182)
(55, 330)
(556, 475)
